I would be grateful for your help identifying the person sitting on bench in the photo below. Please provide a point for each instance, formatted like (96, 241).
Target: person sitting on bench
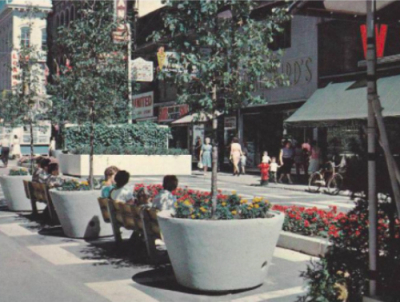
(54, 179)
(109, 175)
(165, 200)
(122, 192)
(37, 170)
(44, 175)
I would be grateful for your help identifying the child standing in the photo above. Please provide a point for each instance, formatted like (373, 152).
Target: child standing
(273, 169)
(243, 160)
(266, 158)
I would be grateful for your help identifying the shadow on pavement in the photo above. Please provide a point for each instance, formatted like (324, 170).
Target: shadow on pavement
(124, 255)
(163, 278)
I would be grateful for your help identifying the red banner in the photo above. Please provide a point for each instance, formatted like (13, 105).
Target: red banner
(172, 113)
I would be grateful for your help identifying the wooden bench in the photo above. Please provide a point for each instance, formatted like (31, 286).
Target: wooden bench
(140, 219)
(38, 192)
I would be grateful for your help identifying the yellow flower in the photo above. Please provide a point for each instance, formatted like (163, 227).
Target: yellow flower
(343, 294)
(193, 216)
(257, 199)
(234, 192)
(243, 201)
(203, 209)
(176, 204)
(256, 206)
(339, 272)
(187, 202)
(223, 203)
(234, 212)
(84, 183)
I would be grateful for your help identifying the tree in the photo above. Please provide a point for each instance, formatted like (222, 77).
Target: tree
(221, 56)
(26, 104)
(93, 85)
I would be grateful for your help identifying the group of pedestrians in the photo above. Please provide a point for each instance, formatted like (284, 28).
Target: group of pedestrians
(304, 156)
(7, 147)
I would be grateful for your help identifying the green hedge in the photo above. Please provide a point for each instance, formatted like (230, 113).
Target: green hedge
(128, 150)
(142, 135)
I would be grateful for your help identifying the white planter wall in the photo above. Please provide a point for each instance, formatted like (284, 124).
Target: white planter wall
(14, 193)
(78, 165)
(79, 214)
(220, 255)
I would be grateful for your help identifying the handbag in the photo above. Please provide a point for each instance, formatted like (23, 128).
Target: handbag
(200, 165)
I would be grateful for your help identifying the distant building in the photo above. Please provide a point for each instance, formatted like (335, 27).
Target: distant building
(14, 31)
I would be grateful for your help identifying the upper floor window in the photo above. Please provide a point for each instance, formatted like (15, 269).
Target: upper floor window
(25, 36)
(67, 17)
(62, 20)
(72, 13)
(44, 39)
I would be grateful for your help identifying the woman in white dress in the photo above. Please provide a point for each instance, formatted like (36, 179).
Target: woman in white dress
(16, 148)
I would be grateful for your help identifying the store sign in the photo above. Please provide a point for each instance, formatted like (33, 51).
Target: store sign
(143, 105)
(14, 68)
(230, 122)
(172, 113)
(120, 13)
(142, 70)
(380, 36)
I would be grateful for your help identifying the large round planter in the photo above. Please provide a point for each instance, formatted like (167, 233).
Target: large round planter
(14, 193)
(79, 214)
(220, 255)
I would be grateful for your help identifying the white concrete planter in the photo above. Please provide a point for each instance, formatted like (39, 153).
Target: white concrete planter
(14, 193)
(220, 255)
(78, 165)
(79, 214)
(305, 244)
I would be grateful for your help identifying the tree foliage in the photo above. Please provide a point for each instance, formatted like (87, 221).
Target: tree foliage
(93, 68)
(220, 43)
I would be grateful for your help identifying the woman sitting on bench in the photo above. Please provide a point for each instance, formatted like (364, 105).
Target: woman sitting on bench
(54, 179)
(122, 192)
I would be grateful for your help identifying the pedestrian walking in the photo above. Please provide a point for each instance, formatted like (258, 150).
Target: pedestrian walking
(5, 150)
(16, 148)
(286, 160)
(298, 159)
(197, 148)
(236, 153)
(205, 155)
(306, 148)
(315, 154)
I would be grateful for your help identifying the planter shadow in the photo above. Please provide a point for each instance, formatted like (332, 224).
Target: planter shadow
(126, 254)
(163, 278)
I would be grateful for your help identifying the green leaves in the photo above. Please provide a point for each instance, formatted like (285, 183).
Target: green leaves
(238, 59)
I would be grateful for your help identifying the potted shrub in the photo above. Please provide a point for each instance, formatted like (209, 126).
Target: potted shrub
(13, 188)
(221, 69)
(231, 252)
(78, 210)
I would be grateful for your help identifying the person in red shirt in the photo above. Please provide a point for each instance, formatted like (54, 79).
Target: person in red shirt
(264, 169)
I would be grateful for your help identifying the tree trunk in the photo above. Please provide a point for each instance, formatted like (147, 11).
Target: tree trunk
(92, 113)
(214, 174)
(31, 143)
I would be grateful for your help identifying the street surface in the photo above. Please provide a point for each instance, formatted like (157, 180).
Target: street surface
(40, 264)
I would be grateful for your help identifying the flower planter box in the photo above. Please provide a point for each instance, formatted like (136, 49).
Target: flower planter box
(78, 165)
(308, 245)
(79, 214)
(220, 255)
(14, 193)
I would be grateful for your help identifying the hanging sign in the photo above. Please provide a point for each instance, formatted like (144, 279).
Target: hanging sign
(172, 113)
(230, 122)
(120, 13)
(142, 70)
(143, 105)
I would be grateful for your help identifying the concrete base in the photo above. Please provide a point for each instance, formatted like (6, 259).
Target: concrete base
(79, 214)
(308, 245)
(220, 255)
(14, 193)
(136, 165)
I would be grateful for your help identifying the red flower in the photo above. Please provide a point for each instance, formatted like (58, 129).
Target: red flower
(306, 223)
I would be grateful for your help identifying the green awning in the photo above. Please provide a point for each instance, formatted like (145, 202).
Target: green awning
(346, 102)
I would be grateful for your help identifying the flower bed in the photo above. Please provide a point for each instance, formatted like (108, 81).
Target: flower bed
(18, 172)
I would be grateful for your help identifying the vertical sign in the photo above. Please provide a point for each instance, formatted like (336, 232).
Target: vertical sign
(142, 70)
(143, 105)
(120, 13)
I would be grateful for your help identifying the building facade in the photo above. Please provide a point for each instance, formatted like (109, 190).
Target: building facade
(16, 29)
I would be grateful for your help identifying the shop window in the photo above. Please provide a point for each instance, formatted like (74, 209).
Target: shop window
(44, 39)
(282, 39)
(25, 36)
